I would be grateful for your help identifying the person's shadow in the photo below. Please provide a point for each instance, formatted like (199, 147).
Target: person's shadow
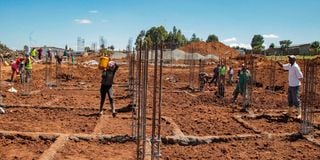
(89, 115)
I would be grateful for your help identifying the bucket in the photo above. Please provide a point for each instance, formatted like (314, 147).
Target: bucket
(103, 64)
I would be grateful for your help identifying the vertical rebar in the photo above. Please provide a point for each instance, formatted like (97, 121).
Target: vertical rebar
(139, 127)
(154, 107)
(145, 95)
(160, 104)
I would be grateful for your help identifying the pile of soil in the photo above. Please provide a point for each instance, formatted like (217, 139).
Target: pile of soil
(216, 48)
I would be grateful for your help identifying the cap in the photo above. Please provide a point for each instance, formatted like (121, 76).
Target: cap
(292, 57)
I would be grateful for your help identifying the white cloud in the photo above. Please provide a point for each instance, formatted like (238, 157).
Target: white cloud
(233, 39)
(93, 11)
(83, 21)
(241, 45)
(271, 36)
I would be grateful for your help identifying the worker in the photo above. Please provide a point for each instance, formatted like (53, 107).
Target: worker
(222, 73)
(33, 53)
(215, 77)
(106, 86)
(203, 79)
(221, 81)
(49, 56)
(15, 68)
(28, 68)
(22, 70)
(295, 76)
(58, 57)
(244, 77)
(40, 53)
(230, 75)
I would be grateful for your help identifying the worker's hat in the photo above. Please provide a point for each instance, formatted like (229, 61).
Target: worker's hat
(292, 57)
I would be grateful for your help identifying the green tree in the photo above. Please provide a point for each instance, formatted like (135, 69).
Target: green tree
(111, 47)
(175, 38)
(194, 38)
(285, 44)
(257, 43)
(271, 45)
(87, 49)
(157, 35)
(212, 38)
(315, 47)
(140, 38)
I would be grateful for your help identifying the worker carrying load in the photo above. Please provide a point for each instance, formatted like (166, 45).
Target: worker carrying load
(106, 86)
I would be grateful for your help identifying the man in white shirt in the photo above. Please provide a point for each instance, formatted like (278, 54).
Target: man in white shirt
(295, 75)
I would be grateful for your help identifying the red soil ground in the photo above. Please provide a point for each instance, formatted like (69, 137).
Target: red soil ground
(71, 107)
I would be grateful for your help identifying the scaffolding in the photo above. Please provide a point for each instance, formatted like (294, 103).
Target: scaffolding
(310, 98)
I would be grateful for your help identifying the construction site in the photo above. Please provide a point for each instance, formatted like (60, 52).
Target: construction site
(161, 111)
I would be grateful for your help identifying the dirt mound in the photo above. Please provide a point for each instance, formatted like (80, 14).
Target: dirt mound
(216, 48)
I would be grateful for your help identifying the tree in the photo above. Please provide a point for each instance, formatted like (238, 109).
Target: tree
(285, 45)
(315, 47)
(212, 38)
(111, 47)
(257, 43)
(175, 38)
(194, 38)
(140, 37)
(129, 45)
(157, 35)
(271, 46)
(87, 49)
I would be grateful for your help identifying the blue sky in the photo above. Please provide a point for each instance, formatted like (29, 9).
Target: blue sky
(60, 22)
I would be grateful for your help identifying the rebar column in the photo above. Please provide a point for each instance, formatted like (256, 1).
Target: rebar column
(144, 98)
(140, 153)
(132, 94)
(154, 106)
(156, 113)
(272, 74)
(309, 97)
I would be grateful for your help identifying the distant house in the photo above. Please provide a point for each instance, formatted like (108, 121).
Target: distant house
(295, 50)
(241, 52)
